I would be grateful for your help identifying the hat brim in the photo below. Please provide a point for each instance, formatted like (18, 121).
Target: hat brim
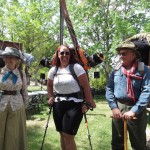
(4, 54)
(126, 48)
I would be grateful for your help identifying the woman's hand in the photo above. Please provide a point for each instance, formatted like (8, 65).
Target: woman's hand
(87, 105)
(92, 103)
(85, 108)
(51, 101)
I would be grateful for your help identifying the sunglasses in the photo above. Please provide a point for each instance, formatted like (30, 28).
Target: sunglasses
(122, 54)
(66, 53)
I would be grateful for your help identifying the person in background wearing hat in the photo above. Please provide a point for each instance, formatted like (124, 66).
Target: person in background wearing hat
(13, 101)
(127, 93)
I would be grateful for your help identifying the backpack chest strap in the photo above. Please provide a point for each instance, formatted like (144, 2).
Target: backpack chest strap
(75, 95)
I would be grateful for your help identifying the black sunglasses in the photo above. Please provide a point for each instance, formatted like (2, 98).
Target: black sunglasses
(66, 53)
(122, 54)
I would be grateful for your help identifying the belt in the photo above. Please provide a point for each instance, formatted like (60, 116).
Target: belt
(75, 95)
(5, 92)
(126, 102)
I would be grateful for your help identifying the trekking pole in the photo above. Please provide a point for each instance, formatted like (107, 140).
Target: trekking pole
(125, 131)
(125, 134)
(50, 109)
(88, 132)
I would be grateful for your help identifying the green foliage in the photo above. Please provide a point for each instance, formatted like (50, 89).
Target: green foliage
(99, 25)
(99, 124)
(98, 83)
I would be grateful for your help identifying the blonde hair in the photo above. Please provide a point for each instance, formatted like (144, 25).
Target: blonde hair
(18, 64)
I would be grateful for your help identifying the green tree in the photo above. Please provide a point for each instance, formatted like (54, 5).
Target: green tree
(99, 25)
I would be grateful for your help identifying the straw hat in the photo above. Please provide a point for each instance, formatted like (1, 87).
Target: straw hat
(10, 51)
(129, 46)
(126, 45)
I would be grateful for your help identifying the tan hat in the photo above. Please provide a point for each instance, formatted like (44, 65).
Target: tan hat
(10, 51)
(126, 45)
(129, 46)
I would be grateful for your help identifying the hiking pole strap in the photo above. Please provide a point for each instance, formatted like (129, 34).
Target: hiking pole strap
(88, 105)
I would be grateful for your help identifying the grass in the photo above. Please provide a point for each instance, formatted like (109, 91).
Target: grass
(99, 124)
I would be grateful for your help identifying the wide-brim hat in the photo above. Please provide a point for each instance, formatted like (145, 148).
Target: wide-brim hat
(129, 46)
(126, 45)
(10, 51)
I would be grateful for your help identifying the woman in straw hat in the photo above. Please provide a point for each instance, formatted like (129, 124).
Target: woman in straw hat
(13, 101)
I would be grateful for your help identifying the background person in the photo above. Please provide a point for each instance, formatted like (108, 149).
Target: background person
(13, 100)
(127, 93)
(68, 106)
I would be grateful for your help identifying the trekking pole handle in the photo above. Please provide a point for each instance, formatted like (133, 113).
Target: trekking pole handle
(88, 105)
(133, 118)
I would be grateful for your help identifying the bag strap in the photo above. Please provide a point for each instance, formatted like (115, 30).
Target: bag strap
(21, 75)
(56, 69)
(71, 68)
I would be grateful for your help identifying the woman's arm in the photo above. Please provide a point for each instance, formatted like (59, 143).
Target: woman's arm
(50, 91)
(83, 80)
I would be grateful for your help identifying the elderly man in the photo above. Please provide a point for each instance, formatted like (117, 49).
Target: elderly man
(127, 93)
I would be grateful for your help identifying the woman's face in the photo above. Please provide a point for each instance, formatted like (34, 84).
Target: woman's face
(10, 62)
(64, 56)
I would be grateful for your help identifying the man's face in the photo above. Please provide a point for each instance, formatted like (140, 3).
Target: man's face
(127, 56)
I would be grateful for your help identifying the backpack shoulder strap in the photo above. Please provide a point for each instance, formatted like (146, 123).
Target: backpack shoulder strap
(21, 75)
(141, 68)
(56, 69)
(71, 68)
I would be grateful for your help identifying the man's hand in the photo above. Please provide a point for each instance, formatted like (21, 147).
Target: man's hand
(129, 115)
(116, 113)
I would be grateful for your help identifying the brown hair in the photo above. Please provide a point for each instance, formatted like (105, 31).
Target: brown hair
(56, 60)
